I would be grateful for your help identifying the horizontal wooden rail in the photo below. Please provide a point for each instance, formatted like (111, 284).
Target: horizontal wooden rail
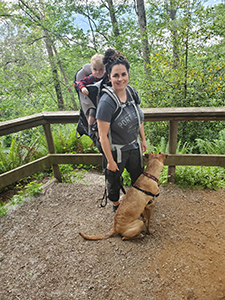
(150, 114)
(184, 113)
(45, 119)
(178, 159)
(24, 171)
(96, 159)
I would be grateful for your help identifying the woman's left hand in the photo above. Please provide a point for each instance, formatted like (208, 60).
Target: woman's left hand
(144, 146)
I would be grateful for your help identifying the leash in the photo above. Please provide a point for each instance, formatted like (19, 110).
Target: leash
(105, 195)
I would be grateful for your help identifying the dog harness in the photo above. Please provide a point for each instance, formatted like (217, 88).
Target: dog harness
(146, 192)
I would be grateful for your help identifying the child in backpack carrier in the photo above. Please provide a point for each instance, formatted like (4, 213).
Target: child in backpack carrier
(89, 108)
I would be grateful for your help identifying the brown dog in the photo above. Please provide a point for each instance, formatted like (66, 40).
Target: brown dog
(139, 200)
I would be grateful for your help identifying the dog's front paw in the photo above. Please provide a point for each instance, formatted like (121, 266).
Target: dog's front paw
(150, 230)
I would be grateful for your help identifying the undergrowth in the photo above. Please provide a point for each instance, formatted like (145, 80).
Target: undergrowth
(70, 174)
(30, 190)
(186, 176)
(191, 177)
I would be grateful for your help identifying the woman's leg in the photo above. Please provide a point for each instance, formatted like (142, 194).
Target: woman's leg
(114, 181)
(133, 165)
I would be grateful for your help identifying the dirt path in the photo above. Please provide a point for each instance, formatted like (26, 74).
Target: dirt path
(42, 255)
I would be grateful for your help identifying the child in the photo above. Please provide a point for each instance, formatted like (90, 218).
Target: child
(98, 71)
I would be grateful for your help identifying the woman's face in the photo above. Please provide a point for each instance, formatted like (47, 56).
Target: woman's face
(119, 78)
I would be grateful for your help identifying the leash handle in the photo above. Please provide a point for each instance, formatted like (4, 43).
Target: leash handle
(105, 196)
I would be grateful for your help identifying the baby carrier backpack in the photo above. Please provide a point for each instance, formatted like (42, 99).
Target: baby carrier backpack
(86, 102)
(96, 89)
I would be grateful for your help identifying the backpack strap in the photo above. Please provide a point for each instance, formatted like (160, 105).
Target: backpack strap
(135, 105)
(118, 111)
(92, 79)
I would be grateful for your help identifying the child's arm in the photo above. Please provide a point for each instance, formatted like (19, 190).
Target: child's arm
(82, 85)
(84, 90)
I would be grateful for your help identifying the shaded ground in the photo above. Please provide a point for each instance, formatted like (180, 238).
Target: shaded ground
(42, 255)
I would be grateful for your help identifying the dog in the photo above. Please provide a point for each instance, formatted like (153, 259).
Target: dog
(138, 201)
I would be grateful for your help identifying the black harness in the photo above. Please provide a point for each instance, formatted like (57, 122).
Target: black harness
(146, 192)
(105, 196)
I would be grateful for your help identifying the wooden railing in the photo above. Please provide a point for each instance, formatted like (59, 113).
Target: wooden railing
(172, 115)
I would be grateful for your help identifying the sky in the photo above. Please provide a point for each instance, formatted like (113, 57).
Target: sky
(83, 23)
(213, 2)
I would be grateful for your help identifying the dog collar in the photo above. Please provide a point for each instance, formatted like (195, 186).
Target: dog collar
(151, 176)
(147, 193)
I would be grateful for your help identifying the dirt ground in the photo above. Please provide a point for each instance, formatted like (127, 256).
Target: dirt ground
(42, 256)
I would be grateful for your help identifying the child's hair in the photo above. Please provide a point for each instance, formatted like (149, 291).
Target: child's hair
(114, 57)
(97, 59)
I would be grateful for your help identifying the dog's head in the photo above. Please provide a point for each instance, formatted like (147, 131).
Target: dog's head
(160, 157)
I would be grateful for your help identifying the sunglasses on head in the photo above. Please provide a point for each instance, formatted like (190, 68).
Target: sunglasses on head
(119, 58)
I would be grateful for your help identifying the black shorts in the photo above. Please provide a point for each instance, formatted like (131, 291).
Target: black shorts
(131, 160)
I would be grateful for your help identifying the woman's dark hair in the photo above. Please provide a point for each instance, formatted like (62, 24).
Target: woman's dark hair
(114, 57)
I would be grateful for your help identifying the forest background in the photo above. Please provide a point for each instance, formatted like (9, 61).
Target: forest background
(176, 49)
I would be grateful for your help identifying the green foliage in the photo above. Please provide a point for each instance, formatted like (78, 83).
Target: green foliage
(69, 174)
(86, 145)
(3, 210)
(200, 177)
(32, 189)
(186, 69)
(72, 174)
(191, 177)
(64, 138)
(215, 147)
(126, 178)
(163, 146)
(18, 153)
(66, 142)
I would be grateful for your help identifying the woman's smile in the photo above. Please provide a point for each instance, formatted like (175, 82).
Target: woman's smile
(119, 77)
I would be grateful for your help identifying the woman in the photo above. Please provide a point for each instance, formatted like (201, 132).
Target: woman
(123, 130)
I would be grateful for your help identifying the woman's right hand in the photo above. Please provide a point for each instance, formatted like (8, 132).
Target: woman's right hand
(112, 166)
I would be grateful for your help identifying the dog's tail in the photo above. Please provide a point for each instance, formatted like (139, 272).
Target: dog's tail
(98, 237)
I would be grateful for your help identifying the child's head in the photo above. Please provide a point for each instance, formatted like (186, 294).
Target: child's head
(97, 66)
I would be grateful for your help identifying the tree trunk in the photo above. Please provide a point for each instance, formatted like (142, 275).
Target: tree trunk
(113, 18)
(58, 91)
(65, 78)
(140, 10)
(186, 67)
(172, 13)
(115, 26)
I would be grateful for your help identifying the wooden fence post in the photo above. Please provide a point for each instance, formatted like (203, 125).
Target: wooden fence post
(172, 148)
(51, 149)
